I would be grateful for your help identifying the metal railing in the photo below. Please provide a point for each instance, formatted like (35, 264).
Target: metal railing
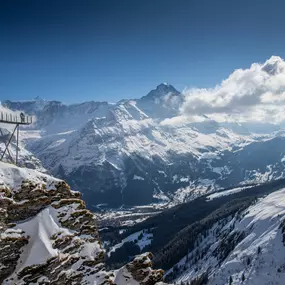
(15, 119)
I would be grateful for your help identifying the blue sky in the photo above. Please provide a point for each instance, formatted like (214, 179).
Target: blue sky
(75, 51)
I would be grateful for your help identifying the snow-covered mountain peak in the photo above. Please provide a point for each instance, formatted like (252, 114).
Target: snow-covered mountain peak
(274, 65)
(161, 90)
(30, 107)
(38, 98)
(112, 143)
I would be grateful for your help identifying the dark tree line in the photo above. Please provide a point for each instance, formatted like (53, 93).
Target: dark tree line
(177, 231)
(185, 240)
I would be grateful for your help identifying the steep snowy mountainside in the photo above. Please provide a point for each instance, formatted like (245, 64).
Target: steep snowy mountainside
(247, 248)
(113, 144)
(238, 236)
(54, 117)
(12, 177)
(162, 102)
(30, 107)
(114, 152)
(160, 91)
(47, 236)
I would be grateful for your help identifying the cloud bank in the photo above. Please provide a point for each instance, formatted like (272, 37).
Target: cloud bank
(256, 94)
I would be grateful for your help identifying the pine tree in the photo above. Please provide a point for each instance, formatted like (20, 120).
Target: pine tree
(242, 277)
(231, 280)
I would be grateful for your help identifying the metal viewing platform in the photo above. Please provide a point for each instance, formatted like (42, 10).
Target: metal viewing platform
(16, 120)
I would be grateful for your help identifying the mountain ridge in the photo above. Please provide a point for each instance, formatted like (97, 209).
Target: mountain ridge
(113, 143)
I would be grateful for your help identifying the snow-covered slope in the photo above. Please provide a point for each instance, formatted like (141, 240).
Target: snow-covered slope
(101, 149)
(48, 237)
(26, 158)
(247, 248)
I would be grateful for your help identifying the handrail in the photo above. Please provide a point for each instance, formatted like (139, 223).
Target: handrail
(15, 119)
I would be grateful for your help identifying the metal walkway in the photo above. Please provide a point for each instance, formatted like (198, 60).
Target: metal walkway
(16, 120)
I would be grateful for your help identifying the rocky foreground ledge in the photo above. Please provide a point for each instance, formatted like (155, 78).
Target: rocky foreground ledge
(47, 236)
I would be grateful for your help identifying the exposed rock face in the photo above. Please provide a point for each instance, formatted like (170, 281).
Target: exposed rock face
(137, 269)
(47, 236)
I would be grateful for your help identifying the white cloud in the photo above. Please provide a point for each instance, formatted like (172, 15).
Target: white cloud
(256, 94)
(182, 120)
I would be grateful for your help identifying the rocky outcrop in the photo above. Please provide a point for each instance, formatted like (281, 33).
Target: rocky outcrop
(47, 236)
(140, 269)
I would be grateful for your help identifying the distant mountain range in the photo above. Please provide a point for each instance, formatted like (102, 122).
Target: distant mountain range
(221, 184)
(129, 153)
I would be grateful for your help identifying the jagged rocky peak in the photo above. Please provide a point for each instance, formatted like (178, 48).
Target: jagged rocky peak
(53, 108)
(75, 109)
(49, 110)
(47, 236)
(38, 98)
(273, 65)
(30, 107)
(161, 90)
